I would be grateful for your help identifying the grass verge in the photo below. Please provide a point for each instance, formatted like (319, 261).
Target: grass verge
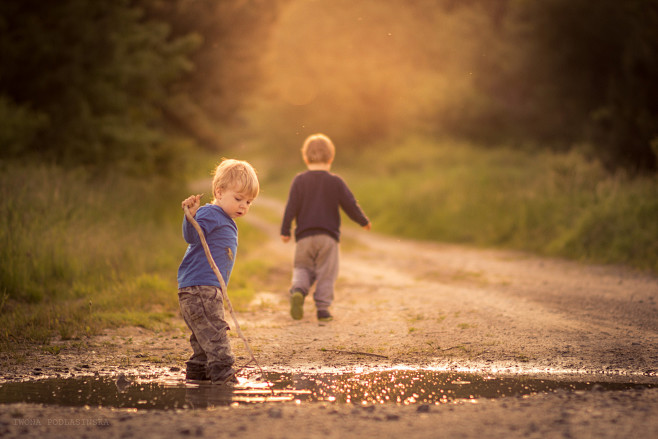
(558, 204)
(80, 253)
(549, 203)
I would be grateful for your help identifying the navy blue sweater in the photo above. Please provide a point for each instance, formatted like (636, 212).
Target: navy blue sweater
(314, 201)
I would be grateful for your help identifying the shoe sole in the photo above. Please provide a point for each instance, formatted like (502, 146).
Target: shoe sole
(297, 306)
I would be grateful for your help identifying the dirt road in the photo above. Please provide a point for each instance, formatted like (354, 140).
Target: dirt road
(448, 306)
(417, 304)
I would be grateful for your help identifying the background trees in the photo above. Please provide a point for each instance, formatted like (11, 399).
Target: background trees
(597, 63)
(554, 73)
(131, 84)
(234, 39)
(85, 83)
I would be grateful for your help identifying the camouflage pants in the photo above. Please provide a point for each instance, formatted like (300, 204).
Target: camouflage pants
(203, 311)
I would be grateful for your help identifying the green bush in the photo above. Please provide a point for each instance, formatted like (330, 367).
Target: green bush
(80, 253)
(558, 204)
(60, 228)
(19, 127)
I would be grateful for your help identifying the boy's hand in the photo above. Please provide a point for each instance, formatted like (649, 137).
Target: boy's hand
(368, 226)
(193, 202)
(285, 238)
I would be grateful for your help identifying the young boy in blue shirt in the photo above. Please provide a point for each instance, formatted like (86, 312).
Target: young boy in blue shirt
(314, 201)
(235, 186)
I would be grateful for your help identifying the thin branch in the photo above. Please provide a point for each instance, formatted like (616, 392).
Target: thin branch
(353, 353)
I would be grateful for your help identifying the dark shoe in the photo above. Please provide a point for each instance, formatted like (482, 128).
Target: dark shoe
(324, 316)
(196, 373)
(297, 305)
(224, 376)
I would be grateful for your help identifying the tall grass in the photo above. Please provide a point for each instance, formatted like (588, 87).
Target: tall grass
(79, 253)
(558, 204)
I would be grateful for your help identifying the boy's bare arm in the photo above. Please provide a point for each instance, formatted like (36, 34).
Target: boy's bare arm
(193, 202)
(368, 226)
(285, 238)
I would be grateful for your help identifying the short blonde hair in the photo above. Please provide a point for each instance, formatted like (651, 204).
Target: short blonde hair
(236, 175)
(318, 148)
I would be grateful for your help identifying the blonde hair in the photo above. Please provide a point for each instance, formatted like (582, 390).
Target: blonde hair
(318, 148)
(236, 175)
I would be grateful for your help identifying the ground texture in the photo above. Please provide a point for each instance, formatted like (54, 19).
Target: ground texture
(398, 304)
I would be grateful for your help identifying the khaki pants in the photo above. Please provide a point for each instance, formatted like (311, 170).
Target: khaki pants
(316, 261)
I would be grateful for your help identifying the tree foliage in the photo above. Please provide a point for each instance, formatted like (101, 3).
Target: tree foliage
(85, 83)
(121, 82)
(554, 72)
(228, 63)
(599, 61)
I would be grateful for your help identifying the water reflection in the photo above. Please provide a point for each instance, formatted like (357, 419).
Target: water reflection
(392, 386)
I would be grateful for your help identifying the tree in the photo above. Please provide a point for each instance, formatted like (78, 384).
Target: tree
(97, 75)
(596, 64)
(228, 63)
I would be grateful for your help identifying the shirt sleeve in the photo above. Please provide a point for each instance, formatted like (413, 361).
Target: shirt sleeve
(291, 210)
(190, 234)
(350, 206)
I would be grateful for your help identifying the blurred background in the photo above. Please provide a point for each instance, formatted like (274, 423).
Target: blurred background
(500, 123)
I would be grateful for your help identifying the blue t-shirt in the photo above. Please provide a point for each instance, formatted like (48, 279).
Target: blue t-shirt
(222, 237)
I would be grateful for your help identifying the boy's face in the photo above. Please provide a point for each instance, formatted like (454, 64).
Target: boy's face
(233, 203)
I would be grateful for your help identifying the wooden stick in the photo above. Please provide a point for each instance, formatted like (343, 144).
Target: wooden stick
(227, 301)
(353, 352)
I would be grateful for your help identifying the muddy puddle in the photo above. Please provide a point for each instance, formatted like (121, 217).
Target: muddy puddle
(382, 387)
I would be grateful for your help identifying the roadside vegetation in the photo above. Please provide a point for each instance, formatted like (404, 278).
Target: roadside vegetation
(81, 253)
(552, 203)
(562, 204)
(109, 108)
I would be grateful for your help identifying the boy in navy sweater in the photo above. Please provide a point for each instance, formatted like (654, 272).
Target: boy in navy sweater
(315, 198)
(235, 186)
